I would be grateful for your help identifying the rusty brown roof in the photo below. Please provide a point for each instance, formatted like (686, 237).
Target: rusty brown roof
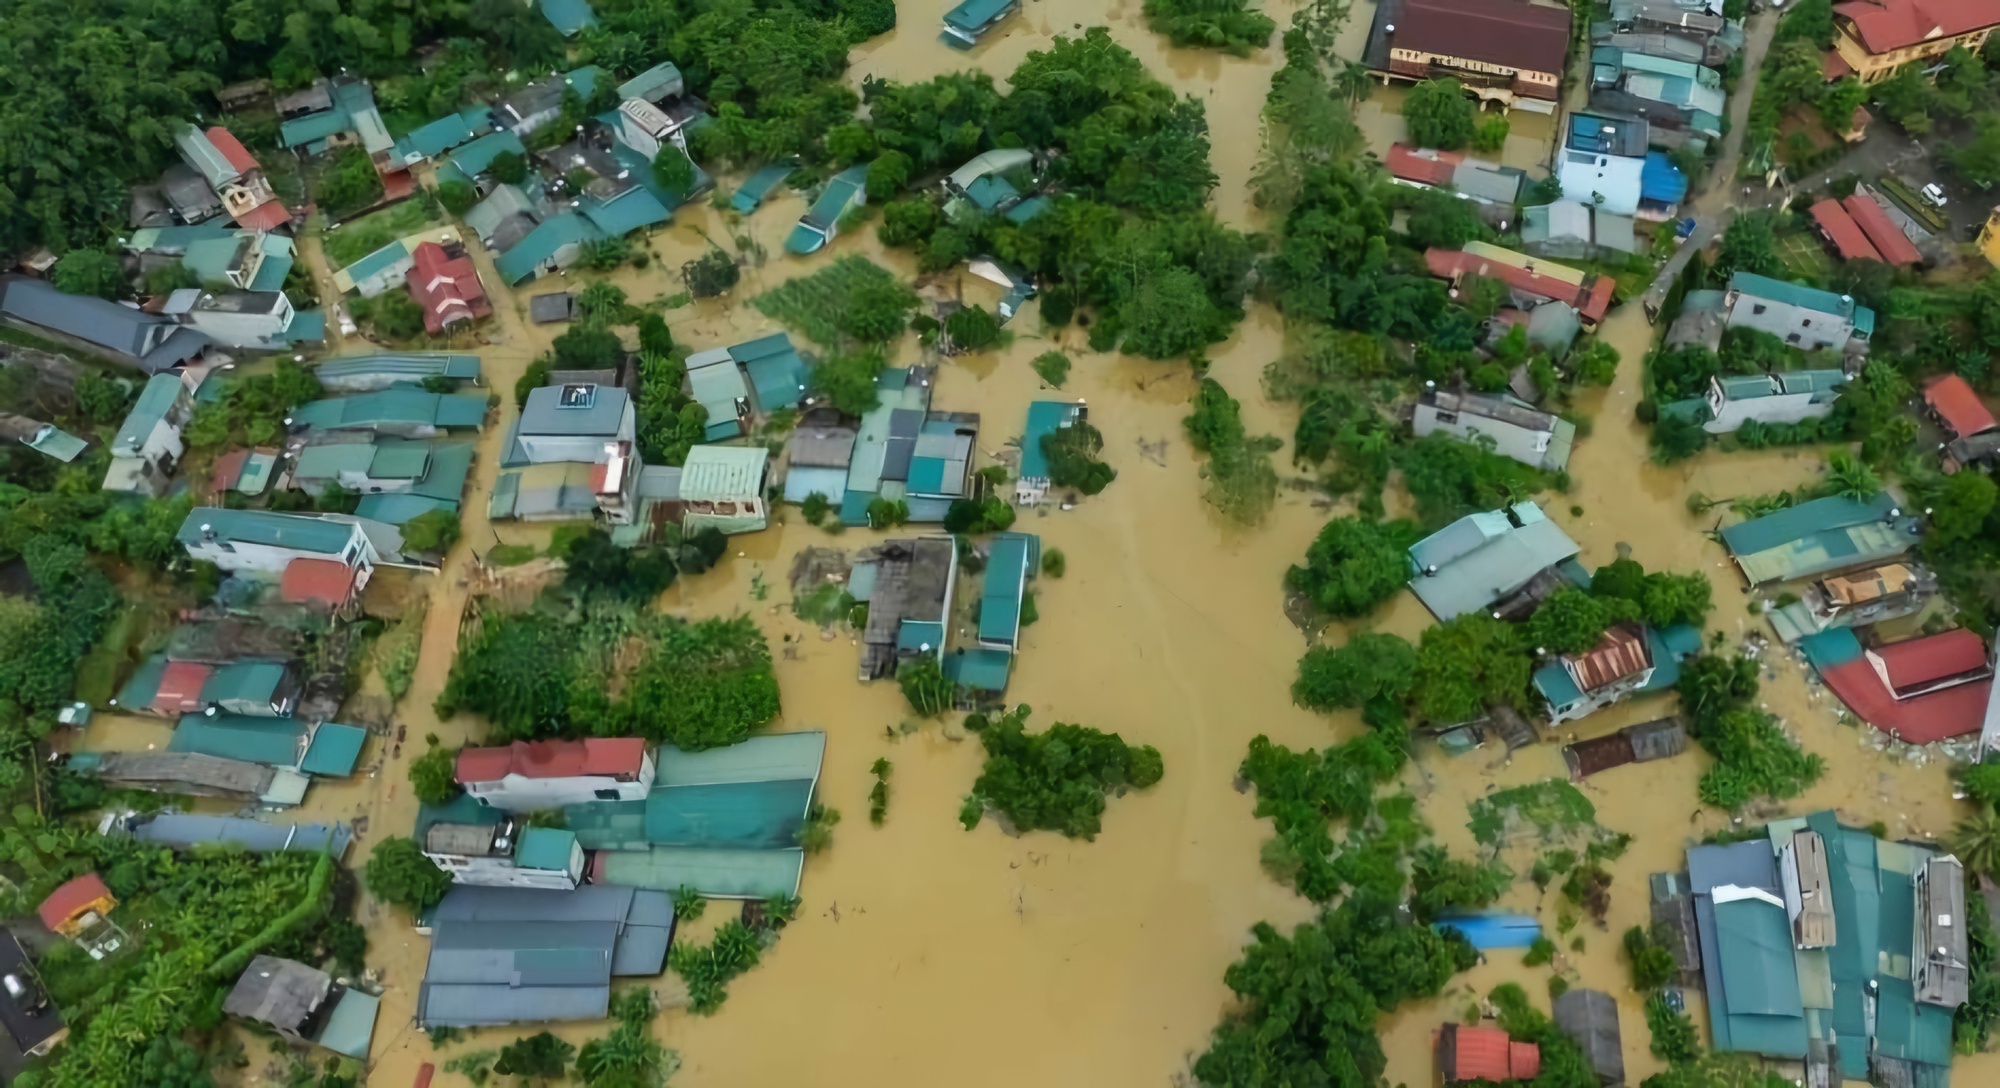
(1619, 654)
(1504, 32)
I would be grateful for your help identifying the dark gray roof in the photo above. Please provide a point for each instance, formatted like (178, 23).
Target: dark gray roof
(590, 903)
(1504, 409)
(1590, 1017)
(149, 341)
(281, 993)
(184, 831)
(1745, 864)
(511, 955)
(34, 1020)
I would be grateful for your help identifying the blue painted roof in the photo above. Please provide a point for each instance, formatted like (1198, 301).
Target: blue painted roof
(1009, 565)
(1660, 180)
(568, 16)
(759, 186)
(450, 131)
(378, 262)
(1486, 931)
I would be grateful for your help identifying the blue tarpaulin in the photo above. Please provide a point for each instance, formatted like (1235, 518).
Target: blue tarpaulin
(1487, 931)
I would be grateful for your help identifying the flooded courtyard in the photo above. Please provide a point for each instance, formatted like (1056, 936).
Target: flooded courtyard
(928, 955)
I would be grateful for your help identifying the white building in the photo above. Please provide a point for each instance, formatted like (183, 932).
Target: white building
(148, 447)
(1805, 317)
(573, 422)
(265, 542)
(251, 320)
(505, 854)
(528, 776)
(1790, 396)
(1516, 429)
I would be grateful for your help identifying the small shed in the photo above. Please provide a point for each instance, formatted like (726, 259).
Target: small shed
(281, 993)
(66, 910)
(1590, 1018)
(1661, 738)
(552, 308)
(722, 487)
(1469, 1053)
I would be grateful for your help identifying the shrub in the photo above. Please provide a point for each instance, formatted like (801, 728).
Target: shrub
(1056, 780)
(1072, 455)
(1052, 367)
(399, 873)
(434, 775)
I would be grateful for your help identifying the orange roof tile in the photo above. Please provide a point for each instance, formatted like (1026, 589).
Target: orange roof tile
(1959, 406)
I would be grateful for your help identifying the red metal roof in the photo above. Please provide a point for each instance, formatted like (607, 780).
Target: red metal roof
(1509, 33)
(1883, 26)
(1948, 712)
(311, 580)
(1833, 66)
(180, 687)
(1888, 239)
(1481, 1053)
(1841, 230)
(231, 149)
(398, 185)
(1427, 166)
(1620, 653)
(608, 756)
(67, 901)
(270, 215)
(446, 287)
(1592, 300)
(1955, 402)
(227, 470)
(1926, 660)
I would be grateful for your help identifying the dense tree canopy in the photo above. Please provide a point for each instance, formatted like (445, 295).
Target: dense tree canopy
(1058, 779)
(1355, 564)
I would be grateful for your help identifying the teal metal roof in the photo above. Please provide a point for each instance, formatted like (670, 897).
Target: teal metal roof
(1762, 985)
(1008, 568)
(212, 258)
(1045, 417)
(400, 509)
(545, 848)
(56, 442)
(1028, 209)
(450, 131)
(401, 406)
(1669, 646)
(768, 758)
(244, 682)
(476, 156)
(463, 809)
(920, 636)
(973, 16)
(723, 473)
(175, 240)
(1818, 536)
(979, 669)
(328, 462)
(314, 128)
(758, 187)
(1809, 298)
(156, 399)
(989, 192)
(628, 211)
(1555, 684)
(543, 244)
(138, 692)
(803, 240)
(274, 742)
(334, 751)
(608, 825)
(843, 191)
(351, 1026)
(734, 815)
(378, 262)
(297, 532)
(398, 460)
(412, 367)
(1482, 557)
(776, 370)
(716, 874)
(279, 256)
(662, 76)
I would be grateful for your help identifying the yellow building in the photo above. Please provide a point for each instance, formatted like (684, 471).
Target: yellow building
(1874, 38)
(1989, 238)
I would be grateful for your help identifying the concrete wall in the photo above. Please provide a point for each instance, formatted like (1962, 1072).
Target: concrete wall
(1793, 408)
(1518, 443)
(516, 793)
(1808, 330)
(263, 559)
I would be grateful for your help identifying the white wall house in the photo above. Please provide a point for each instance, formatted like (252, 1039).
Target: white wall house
(264, 542)
(1516, 429)
(528, 776)
(148, 447)
(506, 855)
(1786, 397)
(573, 422)
(251, 320)
(1804, 317)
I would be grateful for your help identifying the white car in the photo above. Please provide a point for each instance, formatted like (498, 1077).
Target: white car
(1934, 195)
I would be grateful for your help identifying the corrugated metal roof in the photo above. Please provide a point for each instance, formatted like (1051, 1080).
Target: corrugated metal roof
(773, 757)
(334, 750)
(545, 848)
(723, 473)
(273, 742)
(716, 874)
(184, 831)
(296, 532)
(156, 399)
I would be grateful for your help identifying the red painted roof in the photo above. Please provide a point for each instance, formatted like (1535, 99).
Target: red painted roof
(1888, 239)
(67, 901)
(1920, 661)
(1509, 33)
(231, 149)
(1955, 402)
(1949, 712)
(180, 687)
(553, 759)
(1483, 1053)
(398, 185)
(1425, 165)
(311, 580)
(1592, 300)
(1883, 26)
(1841, 229)
(270, 215)
(1833, 66)
(446, 287)
(227, 470)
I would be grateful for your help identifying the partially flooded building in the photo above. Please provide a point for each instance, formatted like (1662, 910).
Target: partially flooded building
(1503, 561)
(1045, 417)
(907, 585)
(1631, 659)
(1662, 738)
(1854, 599)
(305, 1005)
(479, 844)
(1517, 430)
(1919, 690)
(527, 776)
(1823, 536)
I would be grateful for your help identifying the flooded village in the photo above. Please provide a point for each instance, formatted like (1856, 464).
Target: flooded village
(1196, 543)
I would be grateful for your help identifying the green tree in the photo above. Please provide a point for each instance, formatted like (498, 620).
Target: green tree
(434, 775)
(1651, 963)
(1355, 564)
(929, 692)
(1229, 25)
(457, 196)
(100, 398)
(431, 532)
(540, 1057)
(399, 873)
(673, 170)
(888, 174)
(1056, 780)
(90, 272)
(1750, 244)
(587, 347)
(971, 328)
(1976, 160)
(711, 274)
(1370, 666)
(1976, 841)
(508, 168)
(1595, 363)
(1468, 663)
(351, 184)
(1572, 621)
(1072, 453)
(1849, 478)
(848, 381)
(1440, 115)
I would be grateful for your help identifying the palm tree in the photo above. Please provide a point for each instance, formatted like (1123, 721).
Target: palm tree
(1976, 841)
(1848, 478)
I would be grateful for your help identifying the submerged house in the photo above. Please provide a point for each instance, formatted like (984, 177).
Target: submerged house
(1504, 561)
(1788, 396)
(536, 955)
(1590, 1019)
(1825, 945)
(573, 422)
(1662, 738)
(193, 774)
(742, 382)
(1824, 536)
(1918, 690)
(148, 447)
(724, 488)
(528, 776)
(479, 844)
(1505, 51)
(1011, 563)
(1854, 599)
(1475, 1054)
(1631, 659)
(842, 193)
(1045, 417)
(1516, 429)
(907, 585)
(304, 1005)
(816, 460)
(970, 21)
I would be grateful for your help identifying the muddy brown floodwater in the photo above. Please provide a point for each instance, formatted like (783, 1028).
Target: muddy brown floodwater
(928, 955)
